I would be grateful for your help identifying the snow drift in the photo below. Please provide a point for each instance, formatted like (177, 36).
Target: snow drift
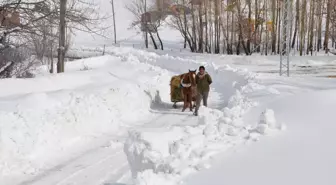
(218, 129)
(43, 118)
(304, 155)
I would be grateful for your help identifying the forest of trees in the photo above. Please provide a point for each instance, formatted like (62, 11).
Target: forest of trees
(41, 28)
(44, 27)
(240, 26)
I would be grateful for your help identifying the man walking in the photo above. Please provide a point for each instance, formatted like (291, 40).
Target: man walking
(203, 81)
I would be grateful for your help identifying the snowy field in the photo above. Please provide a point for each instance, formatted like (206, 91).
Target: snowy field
(109, 118)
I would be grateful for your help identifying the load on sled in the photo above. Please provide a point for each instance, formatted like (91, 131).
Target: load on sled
(178, 83)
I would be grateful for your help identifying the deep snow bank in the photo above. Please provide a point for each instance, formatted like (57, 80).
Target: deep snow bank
(304, 156)
(186, 149)
(226, 80)
(43, 118)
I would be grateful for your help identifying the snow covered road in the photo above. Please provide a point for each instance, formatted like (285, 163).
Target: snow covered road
(95, 166)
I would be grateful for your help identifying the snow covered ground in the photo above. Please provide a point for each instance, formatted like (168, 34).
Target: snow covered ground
(110, 117)
(43, 119)
(303, 154)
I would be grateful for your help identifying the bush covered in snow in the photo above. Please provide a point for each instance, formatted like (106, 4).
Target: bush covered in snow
(268, 122)
(141, 155)
(16, 62)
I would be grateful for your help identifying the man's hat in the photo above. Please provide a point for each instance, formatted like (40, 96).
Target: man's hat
(201, 67)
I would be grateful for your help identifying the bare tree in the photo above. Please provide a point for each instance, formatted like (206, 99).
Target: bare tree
(327, 27)
(148, 20)
(29, 20)
(232, 26)
(61, 46)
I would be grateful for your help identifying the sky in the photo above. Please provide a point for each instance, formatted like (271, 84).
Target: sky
(124, 19)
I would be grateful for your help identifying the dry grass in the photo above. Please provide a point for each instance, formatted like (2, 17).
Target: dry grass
(329, 76)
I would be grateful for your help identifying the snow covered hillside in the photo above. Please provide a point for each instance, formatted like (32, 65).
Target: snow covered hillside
(109, 118)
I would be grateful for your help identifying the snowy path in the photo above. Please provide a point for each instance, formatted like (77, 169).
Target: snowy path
(105, 165)
(118, 94)
(91, 167)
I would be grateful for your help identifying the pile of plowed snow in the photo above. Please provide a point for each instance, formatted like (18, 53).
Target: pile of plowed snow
(168, 155)
(43, 118)
(46, 117)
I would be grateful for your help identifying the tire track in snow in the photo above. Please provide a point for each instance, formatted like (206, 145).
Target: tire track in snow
(87, 169)
(166, 120)
(92, 169)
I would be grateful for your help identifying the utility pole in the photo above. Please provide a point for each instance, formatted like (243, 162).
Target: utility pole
(61, 46)
(285, 37)
(114, 23)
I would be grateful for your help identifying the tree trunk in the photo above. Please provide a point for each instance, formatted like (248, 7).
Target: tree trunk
(249, 36)
(241, 38)
(297, 22)
(158, 36)
(200, 37)
(302, 32)
(319, 29)
(146, 32)
(227, 34)
(266, 18)
(114, 23)
(257, 14)
(279, 24)
(193, 28)
(185, 26)
(153, 40)
(273, 26)
(232, 31)
(238, 45)
(311, 28)
(216, 27)
(206, 26)
(61, 47)
(327, 28)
